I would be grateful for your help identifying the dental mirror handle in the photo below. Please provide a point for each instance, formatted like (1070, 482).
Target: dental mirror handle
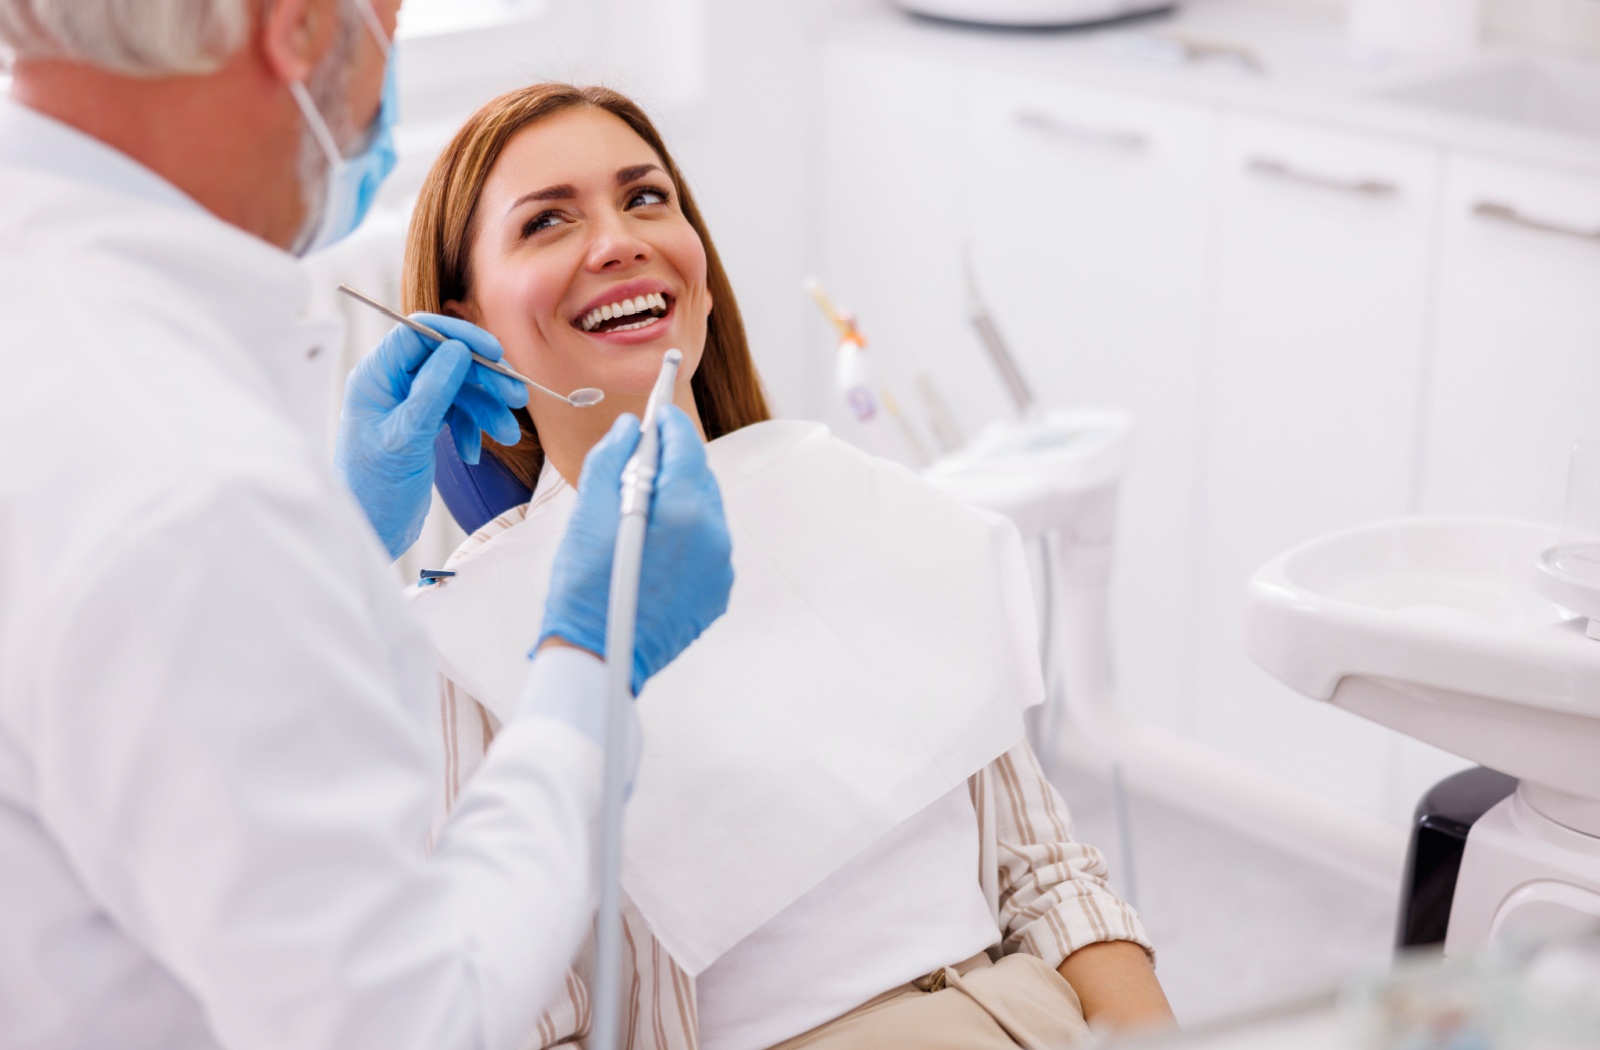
(581, 398)
(638, 484)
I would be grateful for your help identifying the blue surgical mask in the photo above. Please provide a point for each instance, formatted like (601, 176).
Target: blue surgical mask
(352, 182)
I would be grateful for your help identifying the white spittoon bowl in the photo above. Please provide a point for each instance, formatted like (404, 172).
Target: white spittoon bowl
(1432, 627)
(1456, 632)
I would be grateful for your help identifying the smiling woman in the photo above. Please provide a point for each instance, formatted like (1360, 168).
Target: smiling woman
(522, 227)
(838, 837)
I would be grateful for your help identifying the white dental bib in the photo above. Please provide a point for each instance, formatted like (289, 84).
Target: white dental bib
(879, 648)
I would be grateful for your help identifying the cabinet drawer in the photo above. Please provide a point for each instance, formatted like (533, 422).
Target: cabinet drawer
(1319, 320)
(1090, 216)
(1516, 357)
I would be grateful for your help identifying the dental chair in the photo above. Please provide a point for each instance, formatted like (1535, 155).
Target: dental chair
(474, 495)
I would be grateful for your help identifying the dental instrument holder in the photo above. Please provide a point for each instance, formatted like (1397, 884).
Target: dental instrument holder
(638, 486)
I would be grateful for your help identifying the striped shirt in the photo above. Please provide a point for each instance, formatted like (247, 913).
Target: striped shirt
(1048, 892)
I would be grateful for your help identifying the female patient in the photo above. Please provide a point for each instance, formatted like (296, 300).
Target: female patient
(838, 836)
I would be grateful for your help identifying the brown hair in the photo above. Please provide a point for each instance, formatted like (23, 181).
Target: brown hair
(727, 389)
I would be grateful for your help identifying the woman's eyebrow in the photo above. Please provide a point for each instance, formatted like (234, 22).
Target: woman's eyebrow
(563, 192)
(566, 192)
(638, 171)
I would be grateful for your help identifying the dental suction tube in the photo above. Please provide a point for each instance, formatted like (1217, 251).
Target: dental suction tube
(638, 485)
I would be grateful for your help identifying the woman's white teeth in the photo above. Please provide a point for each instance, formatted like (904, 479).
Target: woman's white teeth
(655, 301)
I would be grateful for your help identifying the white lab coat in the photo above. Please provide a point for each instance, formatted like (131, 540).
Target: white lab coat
(218, 746)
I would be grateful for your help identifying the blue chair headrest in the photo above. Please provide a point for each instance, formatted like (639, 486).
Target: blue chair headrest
(475, 495)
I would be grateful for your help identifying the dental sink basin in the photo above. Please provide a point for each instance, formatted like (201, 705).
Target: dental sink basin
(1432, 626)
(1436, 627)
(1550, 94)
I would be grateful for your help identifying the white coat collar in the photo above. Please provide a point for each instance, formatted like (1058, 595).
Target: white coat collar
(30, 139)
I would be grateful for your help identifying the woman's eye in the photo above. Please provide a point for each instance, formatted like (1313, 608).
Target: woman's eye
(647, 195)
(542, 221)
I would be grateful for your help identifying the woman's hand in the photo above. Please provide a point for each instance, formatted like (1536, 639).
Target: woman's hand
(1117, 987)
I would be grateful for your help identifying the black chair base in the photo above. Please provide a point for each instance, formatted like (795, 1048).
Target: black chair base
(1439, 832)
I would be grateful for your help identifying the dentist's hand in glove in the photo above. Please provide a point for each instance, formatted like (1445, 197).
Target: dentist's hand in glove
(686, 575)
(394, 404)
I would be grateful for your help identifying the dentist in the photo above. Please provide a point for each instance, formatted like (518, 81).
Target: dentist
(216, 717)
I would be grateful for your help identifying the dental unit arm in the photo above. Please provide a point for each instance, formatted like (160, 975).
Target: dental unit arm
(638, 486)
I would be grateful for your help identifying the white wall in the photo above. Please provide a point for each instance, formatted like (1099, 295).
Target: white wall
(746, 149)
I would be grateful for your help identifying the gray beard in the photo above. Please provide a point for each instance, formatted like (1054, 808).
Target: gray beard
(327, 86)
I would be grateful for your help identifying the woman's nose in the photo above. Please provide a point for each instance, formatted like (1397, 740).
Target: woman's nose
(614, 247)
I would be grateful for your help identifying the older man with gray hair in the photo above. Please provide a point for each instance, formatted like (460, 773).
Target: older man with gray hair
(217, 719)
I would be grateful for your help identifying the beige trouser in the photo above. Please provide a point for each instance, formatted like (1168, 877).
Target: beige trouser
(974, 1005)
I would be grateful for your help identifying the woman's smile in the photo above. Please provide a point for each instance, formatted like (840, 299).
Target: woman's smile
(629, 313)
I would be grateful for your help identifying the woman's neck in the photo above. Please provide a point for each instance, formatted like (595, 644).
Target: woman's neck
(567, 433)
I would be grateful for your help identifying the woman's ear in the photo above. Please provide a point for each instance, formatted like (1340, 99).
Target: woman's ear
(455, 308)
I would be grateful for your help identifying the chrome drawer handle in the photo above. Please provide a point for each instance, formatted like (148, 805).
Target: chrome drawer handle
(1130, 141)
(1278, 169)
(1506, 213)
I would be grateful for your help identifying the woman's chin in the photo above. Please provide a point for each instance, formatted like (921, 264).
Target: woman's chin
(629, 373)
(631, 365)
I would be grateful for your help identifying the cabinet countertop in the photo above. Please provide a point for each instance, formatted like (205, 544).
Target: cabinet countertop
(1308, 72)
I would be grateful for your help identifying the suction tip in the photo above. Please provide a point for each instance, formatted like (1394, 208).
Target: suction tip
(674, 355)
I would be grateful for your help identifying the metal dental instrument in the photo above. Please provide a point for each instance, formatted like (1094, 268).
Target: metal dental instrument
(1004, 363)
(581, 398)
(638, 485)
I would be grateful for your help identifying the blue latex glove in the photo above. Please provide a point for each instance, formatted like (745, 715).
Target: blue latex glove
(394, 404)
(686, 574)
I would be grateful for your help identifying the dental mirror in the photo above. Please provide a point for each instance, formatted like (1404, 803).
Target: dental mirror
(583, 397)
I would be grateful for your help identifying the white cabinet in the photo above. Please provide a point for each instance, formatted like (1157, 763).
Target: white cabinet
(1516, 356)
(1089, 213)
(1318, 324)
(1313, 328)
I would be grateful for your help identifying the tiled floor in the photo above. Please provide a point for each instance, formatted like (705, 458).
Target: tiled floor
(1236, 924)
